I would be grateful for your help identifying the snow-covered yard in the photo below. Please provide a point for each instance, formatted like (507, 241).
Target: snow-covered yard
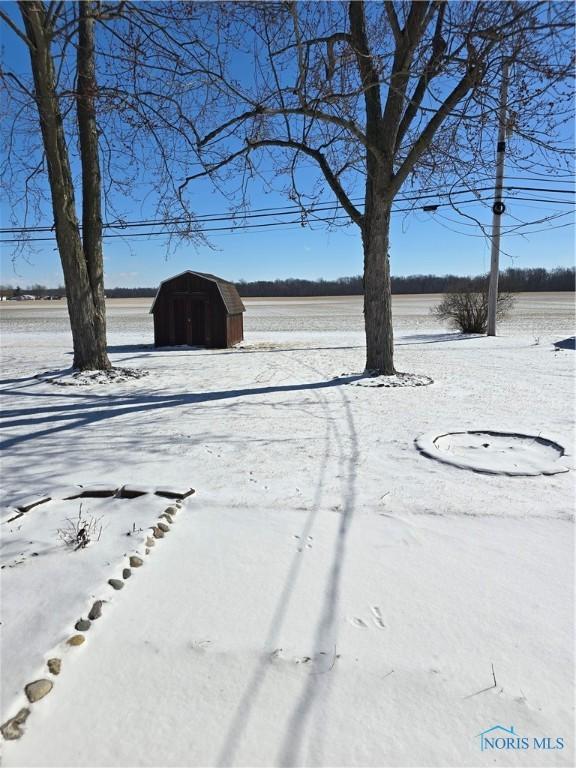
(329, 596)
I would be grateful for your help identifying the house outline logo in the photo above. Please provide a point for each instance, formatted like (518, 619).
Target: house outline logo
(499, 737)
(508, 731)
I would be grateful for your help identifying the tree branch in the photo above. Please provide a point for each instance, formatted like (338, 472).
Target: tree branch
(337, 37)
(401, 69)
(16, 79)
(368, 73)
(393, 19)
(431, 70)
(326, 117)
(423, 141)
(329, 175)
(54, 10)
(14, 28)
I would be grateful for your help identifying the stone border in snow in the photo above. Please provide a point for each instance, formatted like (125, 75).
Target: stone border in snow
(92, 491)
(496, 452)
(569, 343)
(68, 377)
(39, 688)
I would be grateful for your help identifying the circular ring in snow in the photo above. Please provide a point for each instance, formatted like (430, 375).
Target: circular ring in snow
(495, 453)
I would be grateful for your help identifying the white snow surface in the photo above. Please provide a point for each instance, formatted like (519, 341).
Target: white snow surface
(330, 596)
(48, 586)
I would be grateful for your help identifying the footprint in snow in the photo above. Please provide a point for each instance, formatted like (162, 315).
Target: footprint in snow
(377, 617)
(200, 646)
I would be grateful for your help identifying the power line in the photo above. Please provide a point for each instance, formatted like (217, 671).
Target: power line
(255, 213)
(543, 200)
(235, 228)
(286, 211)
(297, 223)
(510, 230)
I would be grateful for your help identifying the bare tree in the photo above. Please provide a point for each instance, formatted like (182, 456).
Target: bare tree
(375, 96)
(80, 253)
(101, 140)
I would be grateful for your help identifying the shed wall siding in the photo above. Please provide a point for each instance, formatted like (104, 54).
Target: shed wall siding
(189, 309)
(235, 329)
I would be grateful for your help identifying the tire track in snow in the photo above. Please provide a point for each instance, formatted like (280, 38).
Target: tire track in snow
(248, 700)
(319, 685)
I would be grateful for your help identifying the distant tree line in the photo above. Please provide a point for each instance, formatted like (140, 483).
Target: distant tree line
(511, 280)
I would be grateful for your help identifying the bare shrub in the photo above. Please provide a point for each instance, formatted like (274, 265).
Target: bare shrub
(80, 532)
(466, 308)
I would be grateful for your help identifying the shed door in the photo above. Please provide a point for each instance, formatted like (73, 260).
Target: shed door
(197, 324)
(189, 321)
(182, 320)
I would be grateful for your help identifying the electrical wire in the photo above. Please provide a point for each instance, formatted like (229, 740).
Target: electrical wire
(234, 227)
(288, 210)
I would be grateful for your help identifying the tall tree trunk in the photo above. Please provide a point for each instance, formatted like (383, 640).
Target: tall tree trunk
(377, 290)
(91, 181)
(89, 343)
(378, 204)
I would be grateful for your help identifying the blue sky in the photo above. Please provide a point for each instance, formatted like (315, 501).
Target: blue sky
(421, 242)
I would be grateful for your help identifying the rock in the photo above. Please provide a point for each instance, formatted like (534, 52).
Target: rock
(163, 527)
(11, 728)
(167, 517)
(76, 640)
(96, 491)
(171, 510)
(83, 625)
(146, 551)
(126, 573)
(54, 666)
(157, 533)
(116, 583)
(11, 519)
(96, 610)
(175, 493)
(25, 505)
(37, 690)
(133, 491)
(135, 561)
(150, 542)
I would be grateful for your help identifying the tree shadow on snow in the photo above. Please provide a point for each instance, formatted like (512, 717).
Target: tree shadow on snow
(64, 411)
(96, 408)
(146, 350)
(318, 682)
(433, 338)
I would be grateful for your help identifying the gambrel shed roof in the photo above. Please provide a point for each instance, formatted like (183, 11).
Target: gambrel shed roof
(228, 291)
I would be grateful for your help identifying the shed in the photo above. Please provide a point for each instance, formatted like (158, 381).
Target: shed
(197, 309)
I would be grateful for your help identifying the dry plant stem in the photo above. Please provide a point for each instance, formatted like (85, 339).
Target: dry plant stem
(80, 532)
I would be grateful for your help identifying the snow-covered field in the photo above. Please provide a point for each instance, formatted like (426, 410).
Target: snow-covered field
(329, 596)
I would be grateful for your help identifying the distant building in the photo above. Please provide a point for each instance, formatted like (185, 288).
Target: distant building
(197, 309)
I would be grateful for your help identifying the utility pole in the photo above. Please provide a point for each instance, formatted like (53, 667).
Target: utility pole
(498, 208)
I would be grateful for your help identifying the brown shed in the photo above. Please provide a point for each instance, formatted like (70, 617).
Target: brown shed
(199, 310)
